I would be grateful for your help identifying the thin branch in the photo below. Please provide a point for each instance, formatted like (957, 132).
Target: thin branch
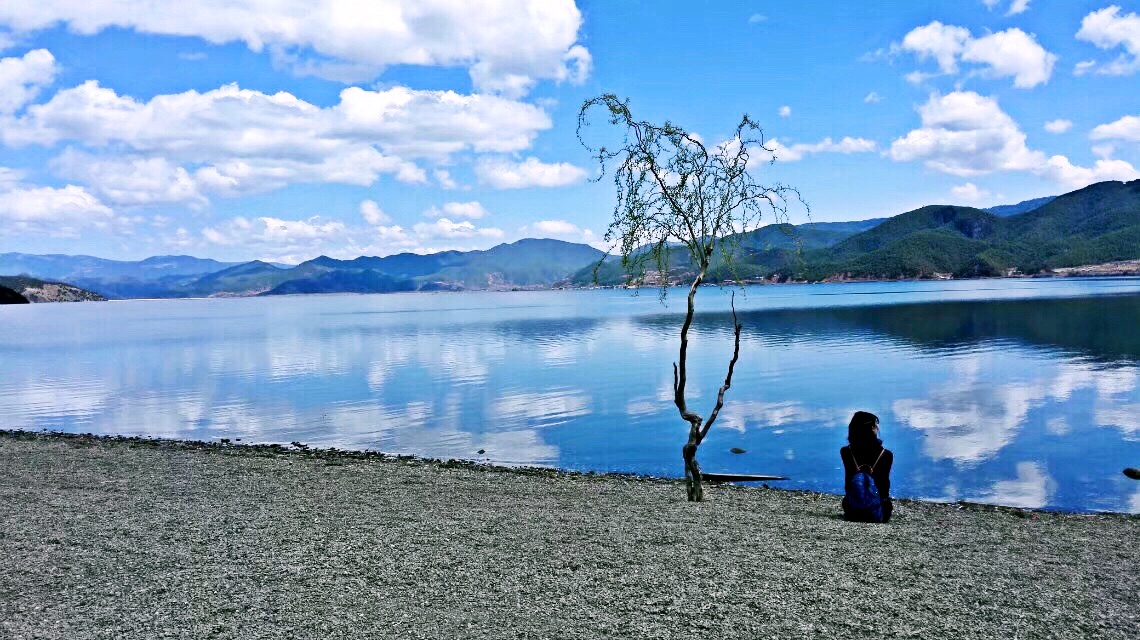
(728, 378)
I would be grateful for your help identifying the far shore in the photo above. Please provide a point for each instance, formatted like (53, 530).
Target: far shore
(121, 537)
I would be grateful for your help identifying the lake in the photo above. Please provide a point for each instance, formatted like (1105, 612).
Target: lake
(1017, 392)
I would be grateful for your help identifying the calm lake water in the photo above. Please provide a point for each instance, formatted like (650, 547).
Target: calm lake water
(1017, 392)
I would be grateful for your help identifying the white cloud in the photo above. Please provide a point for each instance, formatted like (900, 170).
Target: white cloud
(129, 180)
(785, 111)
(1107, 29)
(507, 45)
(969, 192)
(445, 229)
(10, 177)
(471, 210)
(21, 79)
(757, 18)
(231, 141)
(49, 210)
(1010, 53)
(1083, 67)
(443, 177)
(1126, 128)
(873, 98)
(1104, 151)
(373, 214)
(942, 42)
(1017, 6)
(563, 230)
(1058, 126)
(1060, 170)
(502, 173)
(290, 241)
(555, 227)
(966, 134)
(846, 146)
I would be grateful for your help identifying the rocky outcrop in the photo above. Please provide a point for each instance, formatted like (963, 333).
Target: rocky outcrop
(8, 296)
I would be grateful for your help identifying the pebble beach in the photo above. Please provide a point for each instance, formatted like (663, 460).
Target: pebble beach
(131, 538)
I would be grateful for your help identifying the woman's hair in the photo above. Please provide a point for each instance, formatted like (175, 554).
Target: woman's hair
(861, 430)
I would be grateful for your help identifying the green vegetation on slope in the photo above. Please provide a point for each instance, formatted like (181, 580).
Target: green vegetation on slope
(1094, 225)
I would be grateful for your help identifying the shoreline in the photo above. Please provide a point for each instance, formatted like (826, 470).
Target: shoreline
(227, 445)
(134, 537)
(1121, 269)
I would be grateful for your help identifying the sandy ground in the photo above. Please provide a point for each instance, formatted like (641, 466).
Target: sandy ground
(142, 539)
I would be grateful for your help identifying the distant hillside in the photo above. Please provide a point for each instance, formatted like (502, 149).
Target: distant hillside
(1006, 210)
(35, 290)
(528, 263)
(774, 248)
(154, 277)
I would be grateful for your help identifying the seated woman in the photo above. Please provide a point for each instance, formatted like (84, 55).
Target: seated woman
(865, 450)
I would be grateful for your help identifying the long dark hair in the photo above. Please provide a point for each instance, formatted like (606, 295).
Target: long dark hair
(861, 431)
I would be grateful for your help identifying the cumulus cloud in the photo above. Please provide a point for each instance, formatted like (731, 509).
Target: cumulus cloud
(269, 238)
(444, 179)
(1058, 126)
(502, 173)
(507, 45)
(1011, 53)
(130, 180)
(785, 111)
(969, 192)
(231, 141)
(272, 231)
(52, 211)
(373, 214)
(966, 134)
(942, 42)
(445, 229)
(1060, 170)
(1108, 29)
(21, 79)
(472, 210)
(1017, 6)
(563, 230)
(872, 98)
(1126, 128)
(846, 146)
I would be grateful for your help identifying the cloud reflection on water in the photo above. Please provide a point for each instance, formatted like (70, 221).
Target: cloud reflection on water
(1031, 489)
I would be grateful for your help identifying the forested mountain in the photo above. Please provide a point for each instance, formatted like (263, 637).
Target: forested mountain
(1094, 225)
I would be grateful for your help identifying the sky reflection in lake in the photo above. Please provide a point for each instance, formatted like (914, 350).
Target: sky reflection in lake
(1014, 392)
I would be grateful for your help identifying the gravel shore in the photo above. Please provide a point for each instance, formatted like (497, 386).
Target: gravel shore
(118, 538)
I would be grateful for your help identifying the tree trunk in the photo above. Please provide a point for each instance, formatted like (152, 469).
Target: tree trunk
(698, 427)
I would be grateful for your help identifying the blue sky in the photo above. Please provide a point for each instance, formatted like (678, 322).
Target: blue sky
(280, 130)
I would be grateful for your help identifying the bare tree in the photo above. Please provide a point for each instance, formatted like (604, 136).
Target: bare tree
(673, 191)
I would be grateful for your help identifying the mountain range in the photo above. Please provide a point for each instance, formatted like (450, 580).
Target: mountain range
(526, 264)
(1095, 225)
